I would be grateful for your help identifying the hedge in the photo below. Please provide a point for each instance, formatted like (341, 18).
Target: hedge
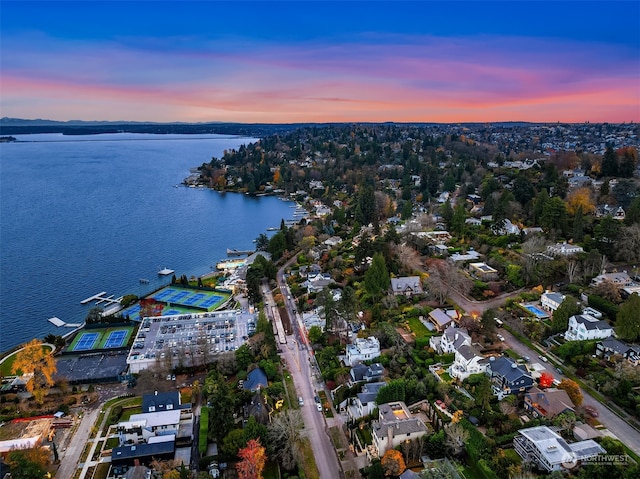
(604, 305)
(204, 430)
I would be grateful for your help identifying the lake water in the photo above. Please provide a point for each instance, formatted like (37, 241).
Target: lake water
(86, 214)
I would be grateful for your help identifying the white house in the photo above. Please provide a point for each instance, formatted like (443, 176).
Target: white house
(621, 280)
(362, 349)
(451, 340)
(583, 327)
(564, 249)
(467, 361)
(394, 426)
(550, 452)
(141, 427)
(551, 301)
(365, 401)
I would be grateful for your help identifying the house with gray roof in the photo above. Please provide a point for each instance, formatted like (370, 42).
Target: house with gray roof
(365, 401)
(363, 373)
(406, 286)
(610, 347)
(551, 301)
(547, 450)
(256, 380)
(451, 340)
(508, 377)
(394, 426)
(441, 319)
(467, 361)
(583, 327)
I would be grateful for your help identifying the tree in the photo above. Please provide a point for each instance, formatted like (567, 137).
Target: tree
(376, 279)
(456, 437)
(253, 459)
(393, 463)
(580, 198)
(233, 442)
(554, 217)
(545, 380)
(573, 390)
(28, 463)
(262, 242)
(285, 437)
(560, 319)
(315, 334)
(36, 360)
(609, 163)
(393, 391)
(628, 319)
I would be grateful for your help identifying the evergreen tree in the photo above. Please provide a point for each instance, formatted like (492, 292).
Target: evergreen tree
(628, 319)
(578, 225)
(560, 320)
(609, 163)
(376, 279)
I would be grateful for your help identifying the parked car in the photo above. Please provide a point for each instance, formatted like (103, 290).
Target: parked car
(500, 337)
(543, 358)
(591, 410)
(300, 401)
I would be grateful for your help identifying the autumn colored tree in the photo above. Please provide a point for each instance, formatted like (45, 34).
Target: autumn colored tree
(393, 463)
(253, 460)
(28, 463)
(580, 197)
(573, 390)
(34, 359)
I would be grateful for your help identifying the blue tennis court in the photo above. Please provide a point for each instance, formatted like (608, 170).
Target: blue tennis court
(178, 297)
(86, 341)
(116, 339)
(193, 299)
(211, 300)
(162, 295)
(169, 312)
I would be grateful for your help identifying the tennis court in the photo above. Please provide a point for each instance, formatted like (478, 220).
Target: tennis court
(212, 300)
(194, 299)
(116, 339)
(86, 341)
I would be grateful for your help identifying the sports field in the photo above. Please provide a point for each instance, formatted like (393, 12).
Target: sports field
(108, 338)
(176, 296)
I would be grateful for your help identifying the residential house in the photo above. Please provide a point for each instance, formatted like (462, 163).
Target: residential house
(361, 372)
(564, 249)
(483, 271)
(332, 241)
(256, 380)
(506, 228)
(547, 403)
(467, 361)
(551, 301)
(611, 347)
(442, 319)
(583, 327)
(406, 286)
(394, 426)
(621, 280)
(362, 349)
(317, 282)
(161, 401)
(546, 449)
(365, 401)
(135, 454)
(471, 255)
(508, 377)
(451, 340)
(163, 423)
(616, 212)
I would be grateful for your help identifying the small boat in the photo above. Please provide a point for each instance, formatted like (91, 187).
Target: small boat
(273, 229)
(143, 280)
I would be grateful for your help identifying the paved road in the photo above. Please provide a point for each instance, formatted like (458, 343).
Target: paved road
(617, 426)
(69, 459)
(297, 355)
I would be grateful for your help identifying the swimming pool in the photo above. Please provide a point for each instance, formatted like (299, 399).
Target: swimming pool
(538, 313)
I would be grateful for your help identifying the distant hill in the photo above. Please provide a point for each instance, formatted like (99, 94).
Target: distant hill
(17, 126)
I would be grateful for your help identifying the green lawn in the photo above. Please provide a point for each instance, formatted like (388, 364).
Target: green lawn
(204, 429)
(417, 328)
(5, 367)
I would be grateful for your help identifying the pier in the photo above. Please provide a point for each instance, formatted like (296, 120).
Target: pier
(101, 298)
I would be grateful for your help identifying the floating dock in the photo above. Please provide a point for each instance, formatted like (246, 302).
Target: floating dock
(58, 323)
(101, 298)
(165, 272)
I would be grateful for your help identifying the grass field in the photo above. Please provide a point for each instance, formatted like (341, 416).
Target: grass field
(417, 328)
(7, 364)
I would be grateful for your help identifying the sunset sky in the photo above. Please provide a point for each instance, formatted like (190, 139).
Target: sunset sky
(332, 61)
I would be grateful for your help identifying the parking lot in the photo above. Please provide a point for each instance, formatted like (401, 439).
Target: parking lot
(189, 339)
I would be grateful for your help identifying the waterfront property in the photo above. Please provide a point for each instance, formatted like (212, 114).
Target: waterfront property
(187, 339)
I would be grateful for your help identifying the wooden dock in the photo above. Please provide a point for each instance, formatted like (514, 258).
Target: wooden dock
(101, 298)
